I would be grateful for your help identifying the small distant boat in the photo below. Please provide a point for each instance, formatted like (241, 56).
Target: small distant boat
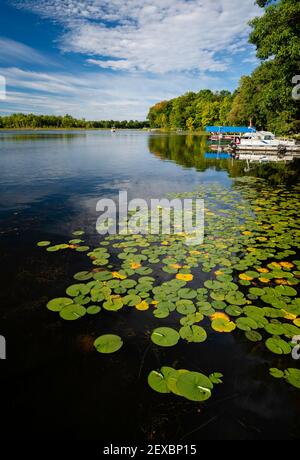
(113, 129)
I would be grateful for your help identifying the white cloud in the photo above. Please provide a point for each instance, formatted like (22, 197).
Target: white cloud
(94, 95)
(12, 52)
(156, 36)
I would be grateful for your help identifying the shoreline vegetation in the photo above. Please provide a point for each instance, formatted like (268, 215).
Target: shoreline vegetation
(268, 97)
(18, 121)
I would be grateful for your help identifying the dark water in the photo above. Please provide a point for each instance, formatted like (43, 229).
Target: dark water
(52, 385)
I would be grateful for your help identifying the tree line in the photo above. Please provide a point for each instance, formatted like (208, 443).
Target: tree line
(265, 97)
(21, 121)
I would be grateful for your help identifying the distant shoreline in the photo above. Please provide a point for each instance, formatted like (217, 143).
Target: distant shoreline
(153, 130)
(71, 129)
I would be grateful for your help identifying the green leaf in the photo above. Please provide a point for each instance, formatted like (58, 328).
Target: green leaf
(278, 346)
(216, 378)
(43, 244)
(93, 310)
(72, 312)
(195, 386)
(59, 303)
(246, 324)
(157, 382)
(165, 337)
(276, 373)
(108, 343)
(253, 336)
(185, 307)
(193, 334)
(293, 377)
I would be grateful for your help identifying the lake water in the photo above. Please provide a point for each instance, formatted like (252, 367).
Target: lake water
(53, 385)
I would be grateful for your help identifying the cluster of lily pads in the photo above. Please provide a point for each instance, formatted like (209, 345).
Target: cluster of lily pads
(244, 276)
(193, 386)
(291, 375)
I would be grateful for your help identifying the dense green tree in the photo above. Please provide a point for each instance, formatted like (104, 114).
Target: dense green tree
(192, 110)
(265, 97)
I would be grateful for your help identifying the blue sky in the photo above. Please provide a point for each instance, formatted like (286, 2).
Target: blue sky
(113, 59)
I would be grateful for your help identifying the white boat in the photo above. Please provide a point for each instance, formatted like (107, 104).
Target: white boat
(113, 129)
(266, 141)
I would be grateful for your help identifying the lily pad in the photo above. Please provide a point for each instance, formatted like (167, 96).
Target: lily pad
(59, 303)
(195, 386)
(274, 329)
(253, 336)
(293, 377)
(93, 310)
(157, 382)
(113, 304)
(43, 244)
(216, 378)
(83, 276)
(278, 346)
(276, 373)
(246, 324)
(72, 312)
(223, 325)
(193, 333)
(185, 307)
(165, 337)
(108, 343)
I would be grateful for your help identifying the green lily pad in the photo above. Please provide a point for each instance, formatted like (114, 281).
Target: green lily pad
(77, 289)
(253, 336)
(278, 346)
(216, 378)
(187, 293)
(193, 333)
(103, 276)
(108, 343)
(274, 329)
(246, 324)
(113, 304)
(165, 337)
(235, 298)
(59, 303)
(83, 276)
(78, 233)
(93, 310)
(223, 325)
(157, 382)
(234, 310)
(131, 300)
(82, 248)
(43, 244)
(276, 373)
(293, 377)
(191, 319)
(185, 307)
(194, 386)
(72, 312)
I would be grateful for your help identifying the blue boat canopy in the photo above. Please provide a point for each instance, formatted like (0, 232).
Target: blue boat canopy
(216, 156)
(229, 129)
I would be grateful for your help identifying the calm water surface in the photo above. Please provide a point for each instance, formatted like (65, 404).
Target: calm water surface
(53, 386)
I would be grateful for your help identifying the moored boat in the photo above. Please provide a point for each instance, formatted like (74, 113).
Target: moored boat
(265, 140)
